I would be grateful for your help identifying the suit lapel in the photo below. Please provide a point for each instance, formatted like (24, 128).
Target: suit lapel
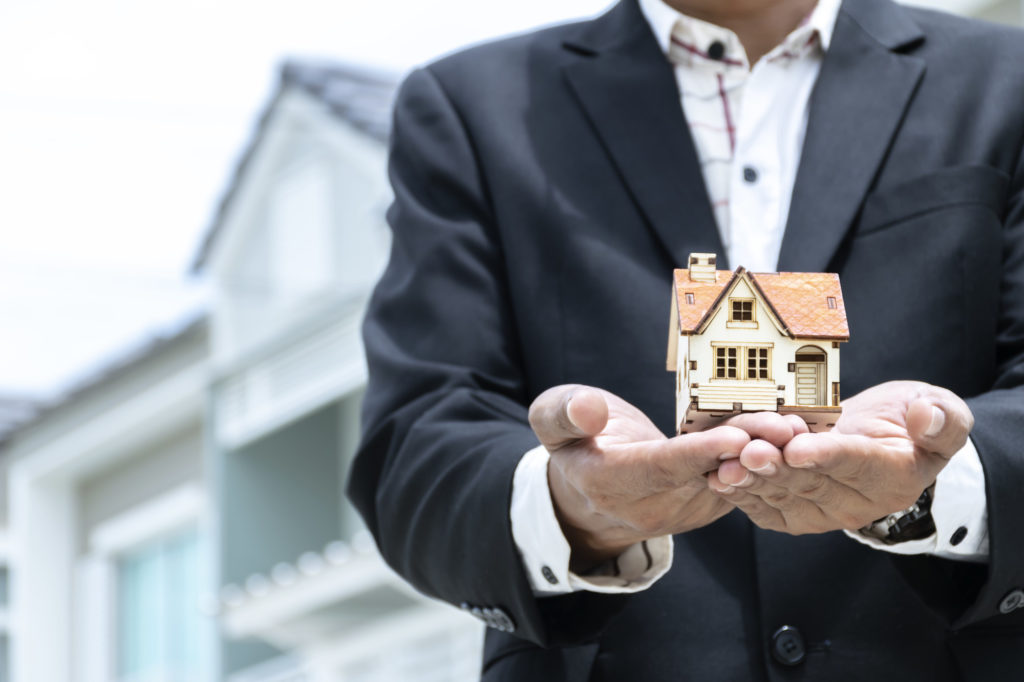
(858, 103)
(628, 90)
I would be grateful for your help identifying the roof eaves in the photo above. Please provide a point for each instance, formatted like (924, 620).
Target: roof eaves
(196, 324)
(324, 81)
(239, 171)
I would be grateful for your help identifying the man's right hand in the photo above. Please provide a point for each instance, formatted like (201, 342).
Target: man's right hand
(616, 480)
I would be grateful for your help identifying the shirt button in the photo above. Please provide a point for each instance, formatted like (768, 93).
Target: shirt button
(788, 646)
(958, 536)
(750, 174)
(1013, 600)
(716, 50)
(549, 575)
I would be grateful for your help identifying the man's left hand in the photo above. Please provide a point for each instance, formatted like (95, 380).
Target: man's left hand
(890, 443)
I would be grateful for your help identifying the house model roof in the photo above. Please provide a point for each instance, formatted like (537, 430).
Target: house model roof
(800, 301)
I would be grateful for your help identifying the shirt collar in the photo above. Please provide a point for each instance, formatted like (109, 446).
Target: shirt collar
(663, 19)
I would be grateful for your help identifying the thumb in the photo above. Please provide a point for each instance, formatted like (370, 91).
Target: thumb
(939, 424)
(567, 413)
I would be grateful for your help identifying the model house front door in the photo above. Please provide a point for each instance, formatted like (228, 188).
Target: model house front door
(810, 376)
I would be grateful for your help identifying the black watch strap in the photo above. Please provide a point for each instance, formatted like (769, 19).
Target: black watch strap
(913, 523)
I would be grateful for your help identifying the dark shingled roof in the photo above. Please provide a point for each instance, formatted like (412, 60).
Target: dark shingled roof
(181, 331)
(16, 410)
(359, 96)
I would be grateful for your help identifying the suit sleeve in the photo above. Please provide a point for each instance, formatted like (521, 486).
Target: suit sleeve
(999, 432)
(445, 414)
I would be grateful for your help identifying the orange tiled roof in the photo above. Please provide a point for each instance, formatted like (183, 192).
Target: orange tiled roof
(705, 295)
(798, 299)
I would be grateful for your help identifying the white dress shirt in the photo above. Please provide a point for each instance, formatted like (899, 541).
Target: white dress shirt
(748, 126)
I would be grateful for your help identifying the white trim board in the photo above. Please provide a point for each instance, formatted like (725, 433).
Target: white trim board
(148, 521)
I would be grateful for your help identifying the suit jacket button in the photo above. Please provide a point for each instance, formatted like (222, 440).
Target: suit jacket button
(1013, 600)
(549, 575)
(504, 622)
(788, 646)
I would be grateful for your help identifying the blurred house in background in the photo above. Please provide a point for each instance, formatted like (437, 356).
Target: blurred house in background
(296, 247)
(107, 514)
(179, 516)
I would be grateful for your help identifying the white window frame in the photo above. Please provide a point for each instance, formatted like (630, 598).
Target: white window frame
(96, 572)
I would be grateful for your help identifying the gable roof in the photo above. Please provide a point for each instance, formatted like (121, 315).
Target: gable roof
(706, 296)
(798, 299)
(356, 95)
(801, 301)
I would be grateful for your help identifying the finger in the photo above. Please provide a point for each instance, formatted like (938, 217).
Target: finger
(806, 500)
(762, 471)
(768, 426)
(761, 458)
(671, 463)
(939, 423)
(564, 414)
(798, 425)
(739, 472)
(840, 456)
(756, 509)
(779, 481)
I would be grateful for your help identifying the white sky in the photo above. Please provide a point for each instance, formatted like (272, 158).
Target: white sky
(120, 123)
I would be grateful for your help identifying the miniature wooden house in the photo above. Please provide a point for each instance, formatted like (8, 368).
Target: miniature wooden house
(748, 342)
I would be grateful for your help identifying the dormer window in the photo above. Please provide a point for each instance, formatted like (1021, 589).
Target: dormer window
(741, 310)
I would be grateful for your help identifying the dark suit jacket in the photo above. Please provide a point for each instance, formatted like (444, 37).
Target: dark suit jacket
(545, 187)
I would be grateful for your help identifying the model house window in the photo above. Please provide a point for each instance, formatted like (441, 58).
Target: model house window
(689, 299)
(835, 393)
(159, 626)
(726, 362)
(831, 301)
(758, 363)
(741, 310)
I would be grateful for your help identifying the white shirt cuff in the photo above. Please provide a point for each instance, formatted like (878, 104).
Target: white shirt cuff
(545, 551)
(960, 512)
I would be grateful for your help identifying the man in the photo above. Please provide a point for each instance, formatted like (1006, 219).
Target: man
(545, 187)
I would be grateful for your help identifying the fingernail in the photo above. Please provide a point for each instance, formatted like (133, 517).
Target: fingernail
(728, 455)
(748, 478)
(768, 469)
(938, 421)
(722, 488)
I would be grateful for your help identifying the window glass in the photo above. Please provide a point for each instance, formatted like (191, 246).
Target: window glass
(741, 310)
(758, 363)
(159, 627)
(726, 362)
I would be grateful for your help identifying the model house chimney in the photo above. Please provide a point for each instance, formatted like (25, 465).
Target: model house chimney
(702, 267)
